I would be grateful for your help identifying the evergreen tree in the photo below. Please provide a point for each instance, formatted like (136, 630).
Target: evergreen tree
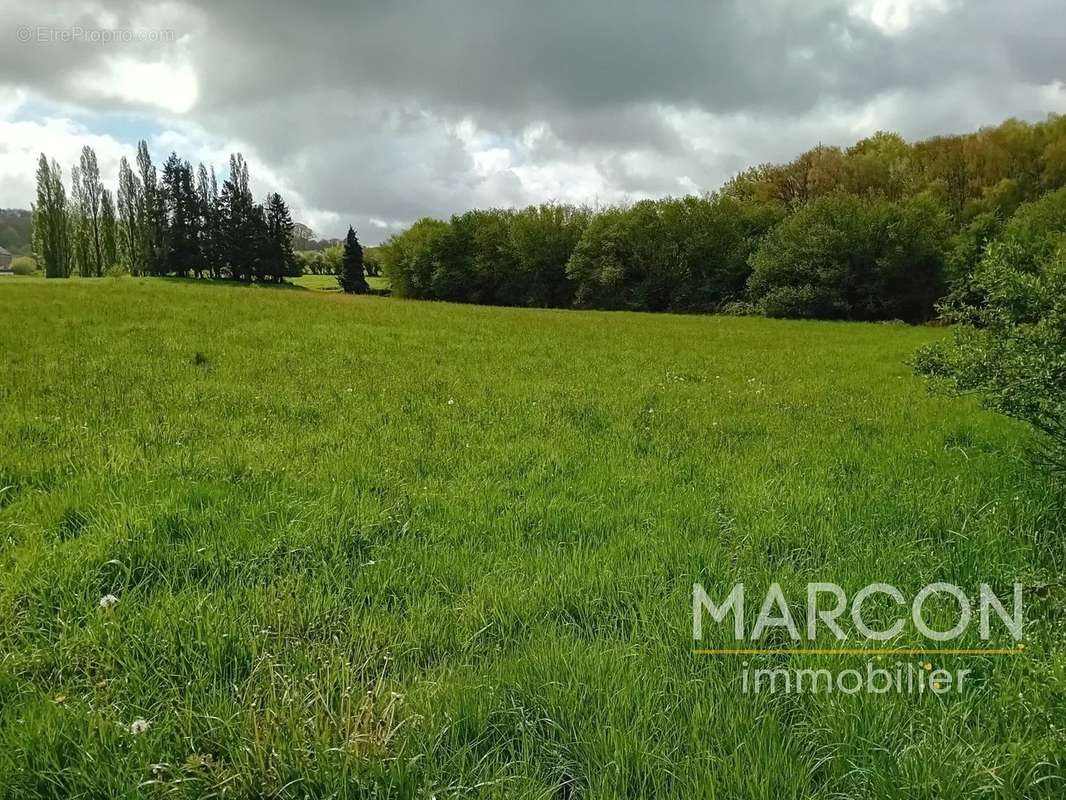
(182, 217)
(51, 241)
(350, 275)
(260, 250)
(279, 256)
(210, 244)
(239, 222)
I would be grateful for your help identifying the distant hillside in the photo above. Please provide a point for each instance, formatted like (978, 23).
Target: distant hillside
(15, 230)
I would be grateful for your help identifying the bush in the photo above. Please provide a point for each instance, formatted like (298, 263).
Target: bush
(23, 265)
(1037, 229)
(1010, 344)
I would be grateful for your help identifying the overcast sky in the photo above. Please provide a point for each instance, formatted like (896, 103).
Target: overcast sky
(377, 113)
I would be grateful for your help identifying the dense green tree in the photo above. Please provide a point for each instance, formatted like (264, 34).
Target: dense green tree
(280, 262)
(683, 254)
(350, 276)
(181, 204)
(542, 239)
(51, 224)
(844, 257)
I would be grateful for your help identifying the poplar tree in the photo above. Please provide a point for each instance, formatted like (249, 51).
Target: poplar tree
(51, 228)
(108, 230)
(131, 218)
(79, 229)
(90, 198)
(153, 214)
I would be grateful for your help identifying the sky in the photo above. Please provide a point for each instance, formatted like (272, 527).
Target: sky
(378, 113)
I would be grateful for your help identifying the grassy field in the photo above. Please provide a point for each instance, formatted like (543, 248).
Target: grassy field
(328, 283)
(364, 547)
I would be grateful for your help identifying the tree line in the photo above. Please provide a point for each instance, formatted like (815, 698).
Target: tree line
(169, 221)
(883, 229)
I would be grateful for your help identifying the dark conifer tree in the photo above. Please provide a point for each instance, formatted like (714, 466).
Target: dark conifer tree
(239, 228)
(280, 259)
(350, 274)
(260, 252)
(183, 217)
(210, 244)
(152, 222)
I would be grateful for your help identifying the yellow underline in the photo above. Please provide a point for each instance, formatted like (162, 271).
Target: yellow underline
(804, 651)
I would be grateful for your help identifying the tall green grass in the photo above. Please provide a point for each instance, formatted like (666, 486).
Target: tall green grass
(365, 547)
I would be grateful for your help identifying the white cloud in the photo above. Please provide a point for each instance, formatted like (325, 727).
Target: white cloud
(896, 16)
(171, 86)
(22, 142)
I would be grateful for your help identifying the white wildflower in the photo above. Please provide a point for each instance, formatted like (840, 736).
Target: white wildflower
(139, 726)
(108, 601)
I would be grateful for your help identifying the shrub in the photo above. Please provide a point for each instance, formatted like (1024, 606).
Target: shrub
(1010, 344)
(1036, 230)
(23, 265)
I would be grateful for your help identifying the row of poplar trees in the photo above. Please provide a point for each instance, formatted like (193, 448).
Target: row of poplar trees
(172, 221)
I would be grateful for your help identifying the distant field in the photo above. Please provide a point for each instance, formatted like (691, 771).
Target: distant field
(366, 547)
(328, 283)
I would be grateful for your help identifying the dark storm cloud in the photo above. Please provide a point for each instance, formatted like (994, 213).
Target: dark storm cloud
(394, 110)
(514, 57)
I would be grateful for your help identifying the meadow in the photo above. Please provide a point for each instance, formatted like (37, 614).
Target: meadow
(370, 547)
